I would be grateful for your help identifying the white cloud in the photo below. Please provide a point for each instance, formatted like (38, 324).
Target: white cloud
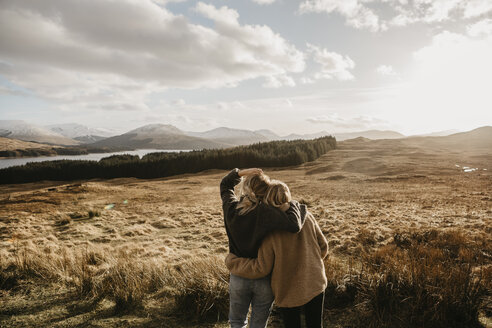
(307, 80)
(474, 8)
(356, 14)
(333, 65)
(82, 58)
(277, 81)
(386, 70)
(361, 14)
(481, 28)
(179, 102)
(223, 14)
(264, 2)
(449, 84)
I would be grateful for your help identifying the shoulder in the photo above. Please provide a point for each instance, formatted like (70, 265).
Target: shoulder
(310, 220)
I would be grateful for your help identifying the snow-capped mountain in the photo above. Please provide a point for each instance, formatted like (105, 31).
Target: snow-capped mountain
(74, 130)
(22, 130)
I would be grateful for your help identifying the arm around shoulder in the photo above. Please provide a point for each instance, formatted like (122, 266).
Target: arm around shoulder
(252, 268)
(291, 220)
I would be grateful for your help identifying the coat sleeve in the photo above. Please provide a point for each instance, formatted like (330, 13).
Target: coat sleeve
(322, 242)
(227, 190)
(292, 220)
(253, 268)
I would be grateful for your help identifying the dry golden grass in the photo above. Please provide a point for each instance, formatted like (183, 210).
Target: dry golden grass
(67, 258)
(13, 144)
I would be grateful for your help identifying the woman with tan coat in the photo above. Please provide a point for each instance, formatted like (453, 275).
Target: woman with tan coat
(295, 262)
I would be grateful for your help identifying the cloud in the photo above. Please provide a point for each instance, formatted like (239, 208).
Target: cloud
(179, 102)
(386, 70)
(264, 2)
(333, 65)
(307, 80)
(277, 81)
(356, 14)
(362, 15)
(69, 52)
(475, 8)
(360, 122)
(481, 28)
(449, 84)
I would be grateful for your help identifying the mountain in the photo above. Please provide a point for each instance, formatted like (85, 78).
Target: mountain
(81, 133)
(231, 136)
(29, 132)
(294, 136)
(74, 130)
(370, 134)
(480, 138)
(268, 134)
(88, 139)
(438, 133)
(157, 136)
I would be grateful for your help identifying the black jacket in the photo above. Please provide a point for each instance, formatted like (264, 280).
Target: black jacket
(246, 232)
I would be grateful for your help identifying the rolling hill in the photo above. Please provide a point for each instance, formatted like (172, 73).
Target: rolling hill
(14, 144)
(157, 136)
(230, 136)
(479, 138)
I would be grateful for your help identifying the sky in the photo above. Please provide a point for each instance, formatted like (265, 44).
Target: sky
(291, 66)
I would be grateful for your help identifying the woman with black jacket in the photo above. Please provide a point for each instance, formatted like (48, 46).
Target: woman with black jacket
(247, 221)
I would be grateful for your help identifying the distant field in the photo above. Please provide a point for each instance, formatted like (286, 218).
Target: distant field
(362, 194)
(13, 144)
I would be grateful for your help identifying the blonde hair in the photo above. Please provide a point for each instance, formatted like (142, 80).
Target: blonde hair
(278, 194)
(252, 190)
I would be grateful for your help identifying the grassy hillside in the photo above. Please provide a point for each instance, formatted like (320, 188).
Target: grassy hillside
(409, 233)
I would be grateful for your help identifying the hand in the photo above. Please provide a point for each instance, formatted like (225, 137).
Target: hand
(251, 171)
(284, 207)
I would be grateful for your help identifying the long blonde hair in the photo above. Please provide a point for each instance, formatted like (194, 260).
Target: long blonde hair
(252, 190)
(278, 194)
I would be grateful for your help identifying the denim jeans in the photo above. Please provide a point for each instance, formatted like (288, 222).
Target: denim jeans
(244, 292)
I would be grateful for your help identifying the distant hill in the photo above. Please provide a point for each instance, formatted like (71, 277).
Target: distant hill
(438, 133)
(268, 134)
(29, 132)
(294, 136)
(14, 144)
(480, 138)
(88, 139)
(157, 136)
(370, 134)
(231, 136)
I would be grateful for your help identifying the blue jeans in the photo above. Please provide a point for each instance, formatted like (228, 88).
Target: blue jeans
(242, 293)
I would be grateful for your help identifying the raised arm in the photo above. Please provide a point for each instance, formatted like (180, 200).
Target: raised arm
(227, 188)
(230, 181)
(291, 220)
(253, 268)
(323, 244)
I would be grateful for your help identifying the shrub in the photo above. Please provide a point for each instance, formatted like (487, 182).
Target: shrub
(426, 281)
(202, 289)
(93, 213)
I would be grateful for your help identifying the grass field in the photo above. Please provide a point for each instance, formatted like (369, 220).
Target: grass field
(149, 253)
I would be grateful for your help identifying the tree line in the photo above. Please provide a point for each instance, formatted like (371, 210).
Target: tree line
(155, 165)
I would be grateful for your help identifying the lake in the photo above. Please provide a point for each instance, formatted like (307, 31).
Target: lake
(7, 162)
